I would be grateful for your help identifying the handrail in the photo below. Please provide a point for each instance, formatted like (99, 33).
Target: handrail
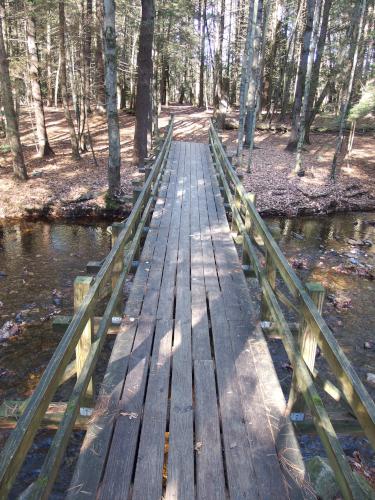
(21, 438)
(351, 386)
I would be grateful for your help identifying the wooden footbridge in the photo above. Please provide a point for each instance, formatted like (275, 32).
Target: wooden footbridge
(190, 405)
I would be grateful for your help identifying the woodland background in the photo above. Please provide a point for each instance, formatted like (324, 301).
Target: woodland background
(86, 88)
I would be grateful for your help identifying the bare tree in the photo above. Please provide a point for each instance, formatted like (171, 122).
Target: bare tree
(12, 132)
(297, 106)
(114, 160)
(63, 84)
(245, 75)
(40, 122)
(357, 24)
(299, 170)
(143, 107)
(99, 81)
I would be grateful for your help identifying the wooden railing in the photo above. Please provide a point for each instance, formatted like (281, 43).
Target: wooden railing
(280, 285)
(78, 338)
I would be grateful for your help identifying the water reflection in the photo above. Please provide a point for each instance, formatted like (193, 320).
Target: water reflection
(322, 245)
(37, 258)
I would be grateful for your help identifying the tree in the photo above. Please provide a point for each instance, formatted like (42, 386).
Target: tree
(12, 132)
(63, 83)
(143, 107)
(99, 81)
(114, 160)
(312, 110)
(254, 94)
(245, 74)
(299, 170)
(45, 149)
(297, 106)
(202, 31)
(364, 106)
(357, 24)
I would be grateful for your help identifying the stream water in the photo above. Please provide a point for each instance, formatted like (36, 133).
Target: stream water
(38, 264)
(339, 252)
(39, 261)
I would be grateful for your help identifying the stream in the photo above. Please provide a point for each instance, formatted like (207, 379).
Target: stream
(339, 252)
(39, 261)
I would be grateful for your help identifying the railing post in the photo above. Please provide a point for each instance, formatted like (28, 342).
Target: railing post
(249, 227)
(137, 188)
(118, 265)
(238, 205)
(81, 287)
(147, 172)
(307, 344)
(271, 273)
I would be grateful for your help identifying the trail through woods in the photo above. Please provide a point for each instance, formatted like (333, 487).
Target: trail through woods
(59, 186)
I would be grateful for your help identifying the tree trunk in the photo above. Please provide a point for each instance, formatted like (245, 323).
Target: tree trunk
(254, 96)
(12, 132)
(45, 149)
(299, 169)
(316, 68)
(57, 82)
(290, 65)
(218, 66)
(246, 69)
(100, 91)
(49, 66)
(143, 109)
(353, 57)
(63, 84)
(87, 27)
(237, 49)
(296, 113)
(202, 31)
(114, 160)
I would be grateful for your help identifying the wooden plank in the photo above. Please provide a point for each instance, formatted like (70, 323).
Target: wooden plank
(266, 464)
(209, 458)
(121, 457)
(180, 470)
(95, 445)
(94, 449)
(200, 327)
(262, 397)
(166, 300)
(238, 458)
(149, 467)
(122, 454)
(81, 287)
(233, 286)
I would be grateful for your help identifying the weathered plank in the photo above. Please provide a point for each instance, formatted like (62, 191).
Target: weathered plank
(122, 454)
(200, 327)
(149, 467)
(209, 457)
(188, 272)
(97, 440)
(180, 470)
(242, 481)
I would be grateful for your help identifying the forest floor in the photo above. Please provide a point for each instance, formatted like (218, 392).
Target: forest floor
(61, 187)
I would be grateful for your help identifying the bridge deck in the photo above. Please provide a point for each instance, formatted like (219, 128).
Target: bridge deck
(190, 403)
